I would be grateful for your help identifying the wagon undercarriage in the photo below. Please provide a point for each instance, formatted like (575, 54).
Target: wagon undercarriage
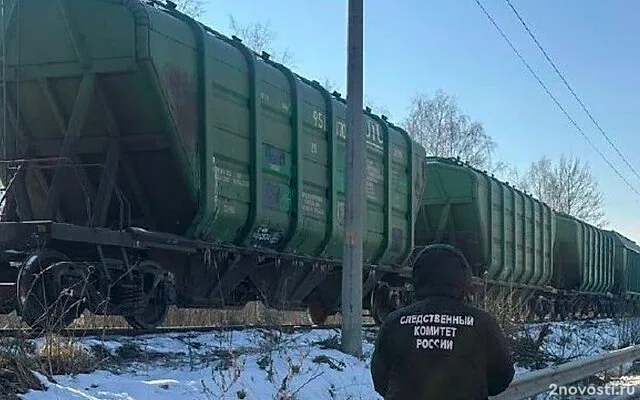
(54, 271)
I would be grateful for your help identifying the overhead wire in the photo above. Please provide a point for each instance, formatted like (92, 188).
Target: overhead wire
(526, 27)
(573, 122)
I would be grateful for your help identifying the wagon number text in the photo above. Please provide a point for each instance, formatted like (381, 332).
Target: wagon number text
(373, 130)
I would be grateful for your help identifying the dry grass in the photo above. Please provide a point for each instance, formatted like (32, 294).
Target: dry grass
(62, 355)
(252, 314)
(16, 364)
(507, 311)
(628, 331)
(19, 359)
(526, 347)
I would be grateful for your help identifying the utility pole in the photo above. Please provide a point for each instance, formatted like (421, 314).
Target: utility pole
(355, 200)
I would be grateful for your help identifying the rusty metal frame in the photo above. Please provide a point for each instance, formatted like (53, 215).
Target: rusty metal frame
(111, 163)
(232, 277)
(71, 131)
(127, 168)
(55, 163)
(23, 138)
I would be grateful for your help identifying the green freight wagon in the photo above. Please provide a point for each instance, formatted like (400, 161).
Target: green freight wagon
(501, 230)
(584, 256)
(627, 266)
(132, 114)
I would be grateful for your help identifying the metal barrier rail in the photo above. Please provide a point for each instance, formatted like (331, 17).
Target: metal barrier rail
(536, 382)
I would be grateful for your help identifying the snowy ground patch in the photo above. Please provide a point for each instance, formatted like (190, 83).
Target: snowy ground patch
(567, 341)
(257, 364)
(235, 365)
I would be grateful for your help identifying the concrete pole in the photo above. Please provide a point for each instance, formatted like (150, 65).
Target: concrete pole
(355, 201)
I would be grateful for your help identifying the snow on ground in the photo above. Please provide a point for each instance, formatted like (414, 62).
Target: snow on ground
(578, 339)
(255, 364)
(200, 366)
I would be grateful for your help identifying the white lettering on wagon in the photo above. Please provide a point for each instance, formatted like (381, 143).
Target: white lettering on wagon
(373, 131)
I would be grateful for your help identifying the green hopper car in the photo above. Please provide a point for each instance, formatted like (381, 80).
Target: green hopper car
(212, 173)
(627, 266)
(506, 235)
(552, 263)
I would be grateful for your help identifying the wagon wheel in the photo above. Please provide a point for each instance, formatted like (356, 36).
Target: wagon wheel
(51, 290)
(381, 305)
(317, 311)
(152, 310)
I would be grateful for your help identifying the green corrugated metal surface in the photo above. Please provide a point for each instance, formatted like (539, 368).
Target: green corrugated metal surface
(279, 171)
(108, 59)
(256, 152)
(498, 227)
(627, 264)
(585, 256)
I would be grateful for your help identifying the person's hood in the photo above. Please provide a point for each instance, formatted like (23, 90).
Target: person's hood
(441, 270)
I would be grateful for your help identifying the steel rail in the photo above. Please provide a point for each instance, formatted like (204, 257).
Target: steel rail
(29, 333)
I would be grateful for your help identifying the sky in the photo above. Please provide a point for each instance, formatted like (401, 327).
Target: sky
(414, 46)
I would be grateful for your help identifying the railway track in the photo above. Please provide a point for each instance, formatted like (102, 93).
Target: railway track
(28, 333)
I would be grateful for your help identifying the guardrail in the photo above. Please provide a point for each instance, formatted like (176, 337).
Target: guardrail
(536, 382)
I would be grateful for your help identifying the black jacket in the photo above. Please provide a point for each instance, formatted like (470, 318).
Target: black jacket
(440, 348)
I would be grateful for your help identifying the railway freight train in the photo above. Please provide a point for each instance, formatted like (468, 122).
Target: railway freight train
(151, 161)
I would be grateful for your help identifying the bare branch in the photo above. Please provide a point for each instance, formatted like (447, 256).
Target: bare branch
(567, 186)
(259, 37)
(376, 108)
(438, 124)
(506, 172)
(331, 86)
(193, 8)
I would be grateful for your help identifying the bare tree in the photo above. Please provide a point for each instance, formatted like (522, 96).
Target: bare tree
(506, 172)
(567, 186)
(193, 8)
(259, 37)
(444, 131)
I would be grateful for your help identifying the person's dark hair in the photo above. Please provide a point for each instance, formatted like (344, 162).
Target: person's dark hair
(441, 269)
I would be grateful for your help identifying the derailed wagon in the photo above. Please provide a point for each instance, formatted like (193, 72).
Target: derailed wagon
(155, 161)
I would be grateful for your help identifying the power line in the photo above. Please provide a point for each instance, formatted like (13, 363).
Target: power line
(570, 88)
(553, 97)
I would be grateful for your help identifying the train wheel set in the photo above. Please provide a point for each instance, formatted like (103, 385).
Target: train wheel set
(128, 273)
(49, 291)
(531, 306)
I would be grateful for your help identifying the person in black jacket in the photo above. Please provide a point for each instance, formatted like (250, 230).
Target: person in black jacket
(439, 347)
